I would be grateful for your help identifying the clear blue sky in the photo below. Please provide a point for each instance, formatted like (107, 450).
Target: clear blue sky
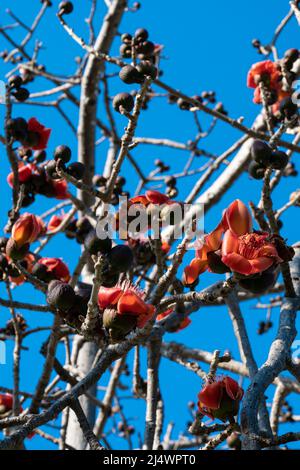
(207, 46)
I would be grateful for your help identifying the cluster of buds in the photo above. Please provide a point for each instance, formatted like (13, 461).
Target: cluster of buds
(31, 134)
(143, 251)
(252, 256)
(16, 89)
(139, 46)
(263, 156)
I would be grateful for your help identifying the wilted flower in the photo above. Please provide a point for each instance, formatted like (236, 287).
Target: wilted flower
(27, 229)
(220, 399)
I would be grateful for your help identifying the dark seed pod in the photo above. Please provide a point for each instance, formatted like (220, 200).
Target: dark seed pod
(14, 252)
(65, 8)
(51, 170)
(39, 156)
(120, 258)
(62, 152)
(21, 94)
(123, 101)
(170, 181)
(261, 152)
(110, 279)
(120, 181)
(126, 38)
(60, 295)
(17, 128)
(146, 49)
(147, 69)
(76, 170)
(125, 51)
(141, 34)
(256, 170)
(184, 105)
(130, 74)
(99, 180)
(15, 81)
(279, 160)
(95, 245)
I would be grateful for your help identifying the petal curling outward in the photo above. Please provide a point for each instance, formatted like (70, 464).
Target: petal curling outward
(237, 263)
(193, 270)
(131, 303)
(108, 296)
(237, 218)
(233, 389)
(211, 395)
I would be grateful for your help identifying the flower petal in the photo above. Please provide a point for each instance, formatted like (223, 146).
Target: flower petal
(237, 263)
(131, 303)
(156, 197)
(193, 270)
(233, 389)
(238, 218)
(260, 264)
(230, 243)
(108, 296)
(211, 395)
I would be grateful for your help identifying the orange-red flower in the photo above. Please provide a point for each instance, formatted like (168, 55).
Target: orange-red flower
(27, 229)
(54, 222)
(151, 197)
(60, 189)
(220, 399)
(57, 268)
(24, 171)
(266, 71)
(126, 300)
(183, 324)
(42, 132)
(6, 402)
(241, 249)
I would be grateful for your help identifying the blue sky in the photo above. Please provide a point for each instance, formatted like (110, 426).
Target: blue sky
(207, 46)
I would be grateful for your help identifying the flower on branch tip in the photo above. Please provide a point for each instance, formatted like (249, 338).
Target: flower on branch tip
(151, 197)
(6, 402)
(124, 309)
(60, 189)
(183, 324)
(267, 72)
(27, 229)
(40, 135)
(55, 268)
(220, 399)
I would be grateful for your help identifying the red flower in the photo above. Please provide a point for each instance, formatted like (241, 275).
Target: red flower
(43, 133)
(24, 171)
(266, 71)
(54, 222)
(6, 402)
(27, 229)
(60, 188)
(220, 399)
(57, 268)
(151, 197)
(184, 323)
(126, 300)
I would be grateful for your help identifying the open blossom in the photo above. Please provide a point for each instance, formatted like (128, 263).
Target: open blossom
(27, 229)
(220, 399)
(57, 268)
(235, 243)
(41, 133)
(266, 71)
(151, 197)
(60, 189)
(183, 324)
(123, 309)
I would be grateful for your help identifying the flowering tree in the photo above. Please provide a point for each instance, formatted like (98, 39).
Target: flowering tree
(132, 282)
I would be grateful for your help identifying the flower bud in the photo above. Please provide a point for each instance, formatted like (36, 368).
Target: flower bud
(123, 100)
(60, 295)
(95, 245)
(129, 74)
(76, 170)
(62, 152)
(120, 258)
(16, 252)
